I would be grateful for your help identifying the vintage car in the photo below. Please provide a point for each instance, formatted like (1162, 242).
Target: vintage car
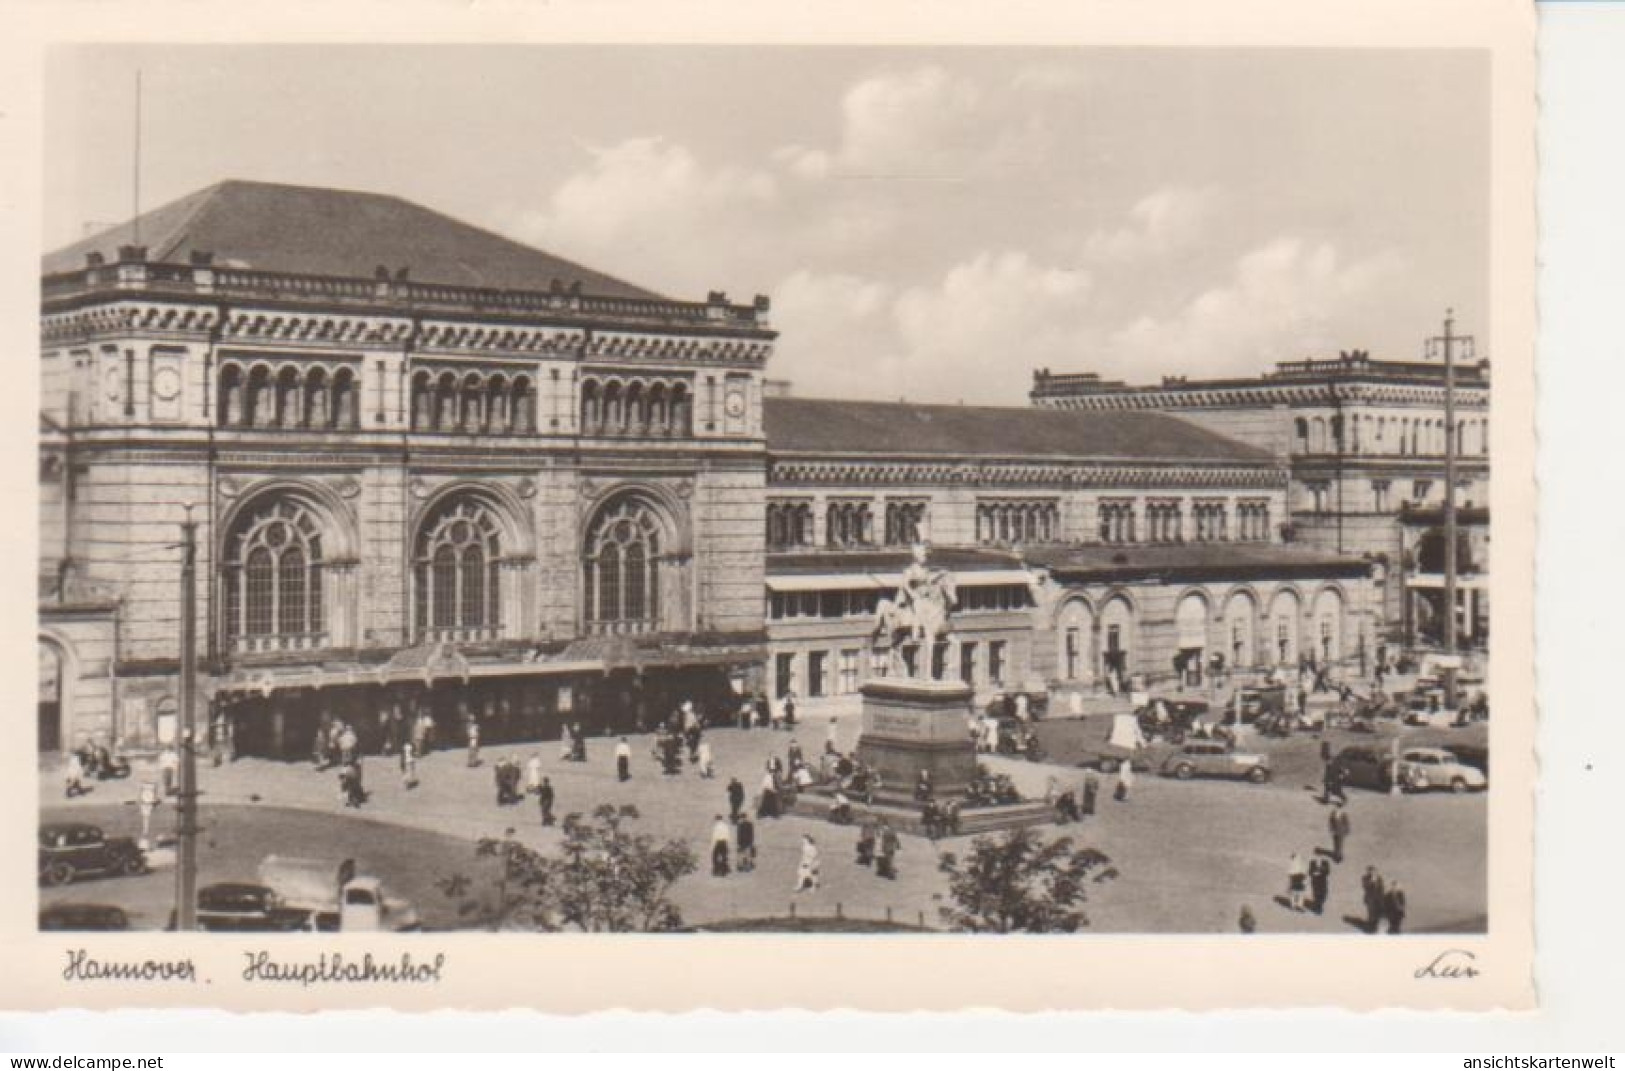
(1212, 758)
(1174, 720)
(72, 850)
(1252, 703)
(243, 907)
(1425, 768)
(83, 917)
(1364, 767)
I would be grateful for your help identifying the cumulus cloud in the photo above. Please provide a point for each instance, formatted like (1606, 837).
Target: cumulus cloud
(977, 328)
(1160, 223)
(1280, 302)
(640, 207)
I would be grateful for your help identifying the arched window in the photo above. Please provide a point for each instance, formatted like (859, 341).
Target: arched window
(1300, 431)
(637, 413)
(288, 398)
(614, 413)
(591, 412)
(229, 412)
(271, 579)
(316, 415)
(457, 572)
(659, 411)
(422, 402)
(261, 398)
(498, 416)
(682, 411)
(523, 405)
(346, 408)
(621, 567)
(445, 403)
(472, 417)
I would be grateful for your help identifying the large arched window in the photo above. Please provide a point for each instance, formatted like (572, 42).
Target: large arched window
(456, 580)
(271, 579)
(621, 574)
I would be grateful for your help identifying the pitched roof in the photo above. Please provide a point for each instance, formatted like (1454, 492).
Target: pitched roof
(308, 230)
(826, 426)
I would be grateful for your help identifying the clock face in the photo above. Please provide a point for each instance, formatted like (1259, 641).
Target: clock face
(166, 383)
(735, 404)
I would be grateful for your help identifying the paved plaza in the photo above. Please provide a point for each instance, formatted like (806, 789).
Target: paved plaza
(1188, 855)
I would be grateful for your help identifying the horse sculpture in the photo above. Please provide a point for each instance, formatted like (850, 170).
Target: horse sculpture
(918, 615)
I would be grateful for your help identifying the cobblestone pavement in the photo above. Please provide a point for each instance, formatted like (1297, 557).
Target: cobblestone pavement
(1189, 854)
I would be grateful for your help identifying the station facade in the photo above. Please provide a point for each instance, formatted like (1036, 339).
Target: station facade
(437, 471)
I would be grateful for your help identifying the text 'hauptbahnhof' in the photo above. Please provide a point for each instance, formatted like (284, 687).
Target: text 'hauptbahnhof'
(436, 470)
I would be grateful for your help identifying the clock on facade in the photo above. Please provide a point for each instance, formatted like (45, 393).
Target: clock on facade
(735, 404)
(166, 384)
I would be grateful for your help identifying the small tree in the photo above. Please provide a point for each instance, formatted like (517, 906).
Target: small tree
(1018, 883)
(604, 879)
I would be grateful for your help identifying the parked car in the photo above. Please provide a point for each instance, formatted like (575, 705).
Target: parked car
(242, 907)
(1424, 768)
(1181, 714)
(72, 850)
(1365, 767)
(83, 917)
(1212, 758)
(1259, 701)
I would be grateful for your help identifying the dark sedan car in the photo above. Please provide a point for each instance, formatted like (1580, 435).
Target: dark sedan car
(242, 907)
(69, 851)
(83, 917)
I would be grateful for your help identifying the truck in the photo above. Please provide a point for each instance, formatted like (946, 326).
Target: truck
(297, 893)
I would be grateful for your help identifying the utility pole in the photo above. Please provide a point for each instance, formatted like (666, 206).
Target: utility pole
(1448, 343)
(186, 810)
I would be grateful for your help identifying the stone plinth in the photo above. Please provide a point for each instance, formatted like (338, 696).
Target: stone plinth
(912, 725)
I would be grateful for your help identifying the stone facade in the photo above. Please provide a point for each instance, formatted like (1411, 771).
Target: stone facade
(1365, 440)
(323, 430)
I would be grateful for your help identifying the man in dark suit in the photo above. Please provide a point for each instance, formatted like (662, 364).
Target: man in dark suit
(544, 798)
(1320, 883)
(1338, 824)
(1393, 904)
(1371, 885)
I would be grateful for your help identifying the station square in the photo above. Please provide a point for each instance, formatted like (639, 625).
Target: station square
(442, 479)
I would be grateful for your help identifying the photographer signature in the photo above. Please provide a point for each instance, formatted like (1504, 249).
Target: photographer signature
(1451, 963)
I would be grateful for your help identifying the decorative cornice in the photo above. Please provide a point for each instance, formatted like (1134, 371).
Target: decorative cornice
(1005, 474)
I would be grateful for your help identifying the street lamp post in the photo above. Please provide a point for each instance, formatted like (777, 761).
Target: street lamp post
(1447, 343)
(186, 808)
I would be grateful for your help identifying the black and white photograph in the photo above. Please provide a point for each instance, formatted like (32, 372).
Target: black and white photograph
(734, 493)
(1035, 491)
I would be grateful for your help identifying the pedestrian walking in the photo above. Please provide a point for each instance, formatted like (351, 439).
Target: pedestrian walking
(355, 793)
(169, 765)
(1332, 784)
(1320, 884)
(736, 797)
(790, 710)
(867, 839)
(566, 744)
(776, 714)
(623, 760)
(1338, 823)
(533, 773)
(1297, 881)
(409, 765)
(1375, 893)
(1091, 789)
(769, 806)
(721, 843)
(1125, 780)
(74, 776)
(471, 729)
(831, 735)
(544, 801)
(1393, 906)
(745, 841)
(807, 873)
(706, 770)
(886, 855)
(347, 744)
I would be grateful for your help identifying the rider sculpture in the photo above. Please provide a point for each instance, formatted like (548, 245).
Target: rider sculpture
(918, 614)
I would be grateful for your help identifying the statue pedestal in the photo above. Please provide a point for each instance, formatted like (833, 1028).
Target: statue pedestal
(911, 725)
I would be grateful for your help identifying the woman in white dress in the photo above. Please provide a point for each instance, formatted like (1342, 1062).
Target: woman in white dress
(807, 876)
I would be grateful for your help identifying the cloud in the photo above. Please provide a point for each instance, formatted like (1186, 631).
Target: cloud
(650, 208)
(970, 334)
(1281, 301)
(1160, 223)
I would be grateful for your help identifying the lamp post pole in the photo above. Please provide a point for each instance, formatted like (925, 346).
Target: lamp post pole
(1448, 343)
(186, 809)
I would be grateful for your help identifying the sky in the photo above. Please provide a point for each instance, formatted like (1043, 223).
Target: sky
(930, 224)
